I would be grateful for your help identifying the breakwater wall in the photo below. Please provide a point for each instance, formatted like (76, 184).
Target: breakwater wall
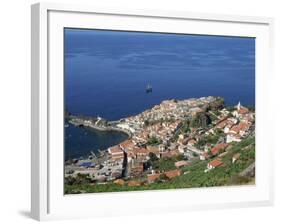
(82, 123)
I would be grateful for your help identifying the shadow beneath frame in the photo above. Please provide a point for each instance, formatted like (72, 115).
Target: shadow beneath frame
(25, 213)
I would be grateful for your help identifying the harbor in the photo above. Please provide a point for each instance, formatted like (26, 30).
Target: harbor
(81, 142)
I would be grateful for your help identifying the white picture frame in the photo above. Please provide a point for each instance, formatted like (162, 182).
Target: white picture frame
(48, 201)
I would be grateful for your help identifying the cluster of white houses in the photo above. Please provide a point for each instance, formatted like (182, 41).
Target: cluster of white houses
(170, 112)
(235, 125)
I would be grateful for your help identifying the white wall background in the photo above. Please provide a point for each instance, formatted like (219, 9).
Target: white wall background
(15, 110)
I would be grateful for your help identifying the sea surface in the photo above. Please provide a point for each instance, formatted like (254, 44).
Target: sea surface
(79, 142)
(106, 74)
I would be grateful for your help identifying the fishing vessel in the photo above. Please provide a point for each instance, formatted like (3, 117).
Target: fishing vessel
(148, 88)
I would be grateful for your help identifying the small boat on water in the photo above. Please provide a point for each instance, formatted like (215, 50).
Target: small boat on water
(148, 88)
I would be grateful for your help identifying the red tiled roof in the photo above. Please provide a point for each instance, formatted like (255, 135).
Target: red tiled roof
(243, 110)
(141, 151)
(181, 163)
(115, 149)
(218, 148)
(153, 177)
(216, 162)
(119, 182)
(173, 173)
(134, 183)
(239, 127)
(243, 125)
(235, 129)
(127, 144)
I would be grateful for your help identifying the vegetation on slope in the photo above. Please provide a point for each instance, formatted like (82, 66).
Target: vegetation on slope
(194, 175)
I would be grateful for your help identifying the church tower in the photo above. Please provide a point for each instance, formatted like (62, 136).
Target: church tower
(239, 106)
(125, 164)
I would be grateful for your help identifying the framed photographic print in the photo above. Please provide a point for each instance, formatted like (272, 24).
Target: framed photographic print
(150, 110)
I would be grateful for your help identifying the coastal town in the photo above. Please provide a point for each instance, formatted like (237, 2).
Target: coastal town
(170, 145)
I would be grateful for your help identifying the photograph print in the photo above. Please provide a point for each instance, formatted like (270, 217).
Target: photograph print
(151, 111)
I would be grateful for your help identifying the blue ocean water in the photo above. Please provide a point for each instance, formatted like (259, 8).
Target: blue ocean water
(79, 142)
(106, 72)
